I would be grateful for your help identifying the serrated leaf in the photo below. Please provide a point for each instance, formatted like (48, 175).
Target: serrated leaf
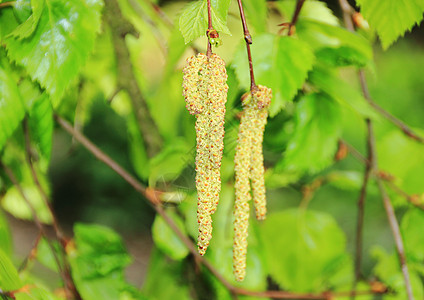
(304, 248)
(342, 92)
(166, 239)
(314, 142)
(41, 125)
(311, 10)
(194, 20)
(392, 18)
(281, 63)
(25, 29)
(256, 13)
(12, 110)
(9, 278)
(58, 48)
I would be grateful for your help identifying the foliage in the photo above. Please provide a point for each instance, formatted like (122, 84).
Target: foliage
(60, 60)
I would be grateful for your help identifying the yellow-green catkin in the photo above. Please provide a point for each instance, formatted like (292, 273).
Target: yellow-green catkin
(205, 92)
(249, 171)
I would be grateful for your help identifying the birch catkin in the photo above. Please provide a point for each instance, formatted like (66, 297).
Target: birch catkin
(205, 92)
(249, 165)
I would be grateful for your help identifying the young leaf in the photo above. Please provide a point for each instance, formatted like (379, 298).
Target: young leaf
(58, 48)
(314, 142)
(303, 248)
(12, 110)
(194, 20)
(311, 10)
(282, 63)
(392, 18)
(166, 239)
(25, 29)
(9, 278)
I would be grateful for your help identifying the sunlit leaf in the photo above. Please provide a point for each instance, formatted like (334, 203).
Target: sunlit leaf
(256, 12)
(25, 29)
(392, 18)
(9, 278)
(58, 48)
(311, 10)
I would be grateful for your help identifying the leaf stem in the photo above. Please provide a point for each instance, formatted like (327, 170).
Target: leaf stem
(248, 39)
(295, 17)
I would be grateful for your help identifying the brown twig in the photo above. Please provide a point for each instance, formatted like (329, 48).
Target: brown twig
(69, 292)
(210, 28)
(32, 253)
(7, 4)
(248, 39)
(295, 17)
(152, 197)
(119, 28)
(58, 232)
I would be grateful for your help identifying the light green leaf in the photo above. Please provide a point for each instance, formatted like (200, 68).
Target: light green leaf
(311, 10)
(14, 204)
(303, 248)
(256, 13)
(194, 21)
(345, 180)
(314, 142)
(345, 46)
(36, 293)
(9, 279)
(41, 125)
(45, 255)
(8, 21)
(166, 239)
(281, 63)
(342, 92)
(412, 232)
(25, 29)
(392, 18)
(12, 110)
(58, 48)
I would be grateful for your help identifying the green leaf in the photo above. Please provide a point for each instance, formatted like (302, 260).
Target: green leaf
(25, 29)
(45, 255)
(311, 10)
(194, 20)
(314, 142)
(281, 63)
(12, 110)
(392, 18)
(342, 92)
(166, 239)
(36, 293)
(8, 22)
(22, 10)
(345, 180)
(9, 278)
(345, 46)
(14, 203)
(41, 125)
(303, 248)
(411, 226)
(163, 279)
(58, 48)
(5, 236)
(256, 13)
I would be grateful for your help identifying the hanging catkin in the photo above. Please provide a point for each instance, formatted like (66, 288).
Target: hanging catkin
(249, 165)
(205, 92)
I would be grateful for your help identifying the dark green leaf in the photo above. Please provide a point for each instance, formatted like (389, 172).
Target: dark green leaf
(303, 248)
(281, 63)
(392, 18)
(314, 142)
(60, 44)
(166, 239)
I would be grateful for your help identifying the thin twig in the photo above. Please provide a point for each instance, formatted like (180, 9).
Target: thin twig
(248, 39)
(152, 197)
(69, 293)
(7, 4)
(58, 232)
(295, 17)
(210, 27)
(119, 28)
(32, 253)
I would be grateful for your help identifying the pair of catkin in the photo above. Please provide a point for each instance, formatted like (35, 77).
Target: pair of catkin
(205, 92)
(249, 172)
